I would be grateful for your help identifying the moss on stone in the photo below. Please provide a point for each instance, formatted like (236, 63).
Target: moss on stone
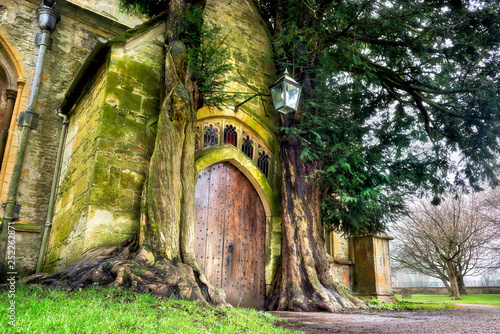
(114, 176)
(152, 90)
(132, 180)
(132, 125)
(120, 133)
(101, 175)
(140, 29)
(141, 72)
(122, 163)
(112, 79)
(64, 231)
(104, 196)
(105, 144)
(111, 197)
(150, 107)
(126, 100)
(130, 84)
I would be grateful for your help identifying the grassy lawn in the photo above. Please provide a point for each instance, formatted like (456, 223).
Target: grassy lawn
(40, 310)
(445, 299)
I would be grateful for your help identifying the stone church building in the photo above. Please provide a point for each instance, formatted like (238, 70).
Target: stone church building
(78, 110)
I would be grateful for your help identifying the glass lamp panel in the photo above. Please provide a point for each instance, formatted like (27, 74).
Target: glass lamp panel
(278, 96)
(292, 95)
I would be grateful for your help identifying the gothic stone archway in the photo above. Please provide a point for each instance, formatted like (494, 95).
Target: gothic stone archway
(230, 234)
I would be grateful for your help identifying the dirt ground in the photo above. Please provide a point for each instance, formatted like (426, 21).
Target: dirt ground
(461, 319)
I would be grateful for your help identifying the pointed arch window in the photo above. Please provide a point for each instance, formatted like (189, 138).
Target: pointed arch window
(263, 163)
(230, 135)
(210, 136)
(247, 147)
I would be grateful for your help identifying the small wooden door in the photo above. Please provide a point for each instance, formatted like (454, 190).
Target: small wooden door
(230, 234)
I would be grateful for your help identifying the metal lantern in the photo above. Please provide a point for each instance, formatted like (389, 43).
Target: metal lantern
(286, 94)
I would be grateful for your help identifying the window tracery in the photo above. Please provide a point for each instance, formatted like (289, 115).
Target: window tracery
(263, 163)
(230, 135)
(211, 137)
(247, 147)
(207, 135)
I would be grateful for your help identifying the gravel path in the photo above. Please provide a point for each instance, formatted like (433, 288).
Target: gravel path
(461, 319)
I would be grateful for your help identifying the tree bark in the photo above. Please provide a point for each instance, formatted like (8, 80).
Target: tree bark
(168, 204)
(447, 286)
(303, 281)
(453, 279)
(460, 278)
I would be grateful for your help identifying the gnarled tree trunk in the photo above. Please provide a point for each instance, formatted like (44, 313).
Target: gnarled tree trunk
(166, 235)
(303, 281)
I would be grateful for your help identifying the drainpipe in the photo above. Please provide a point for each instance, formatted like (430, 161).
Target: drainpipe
(47, 19)
(50, 213)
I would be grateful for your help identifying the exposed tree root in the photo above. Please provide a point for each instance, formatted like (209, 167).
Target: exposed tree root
(303, 296)
(123, 266)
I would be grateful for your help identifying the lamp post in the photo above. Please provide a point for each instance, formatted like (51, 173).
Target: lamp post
(286, 94)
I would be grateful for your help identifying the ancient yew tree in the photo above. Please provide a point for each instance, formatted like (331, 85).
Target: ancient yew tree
(392, 89)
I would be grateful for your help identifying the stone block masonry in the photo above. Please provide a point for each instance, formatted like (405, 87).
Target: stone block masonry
(107, 151)
(73, 39)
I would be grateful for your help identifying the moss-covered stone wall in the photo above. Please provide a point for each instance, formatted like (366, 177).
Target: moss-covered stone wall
(73, 39)
(107, 151)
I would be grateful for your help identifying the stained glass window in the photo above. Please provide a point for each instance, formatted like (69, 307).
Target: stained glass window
(263, 163)
(247, 147)
(210, 137)
(230, 135)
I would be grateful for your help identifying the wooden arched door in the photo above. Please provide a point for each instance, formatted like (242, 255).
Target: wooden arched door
(230, 234)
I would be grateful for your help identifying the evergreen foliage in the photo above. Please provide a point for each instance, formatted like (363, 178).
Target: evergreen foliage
(398, 95)
(207, 56)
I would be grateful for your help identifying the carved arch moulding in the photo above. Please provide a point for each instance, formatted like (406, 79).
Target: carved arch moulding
(221, 132)
(13, 96)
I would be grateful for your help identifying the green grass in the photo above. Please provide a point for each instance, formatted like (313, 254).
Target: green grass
(402, 305)
(41, 310)
(486, 299)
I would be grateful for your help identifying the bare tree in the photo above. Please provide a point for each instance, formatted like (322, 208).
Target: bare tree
(448, 241)
(490, 203)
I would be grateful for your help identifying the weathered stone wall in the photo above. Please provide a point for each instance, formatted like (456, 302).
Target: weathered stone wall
(111, 10)
(107, 151)
(77, 174)
(372, 270)
(338, 248)
(73, 39)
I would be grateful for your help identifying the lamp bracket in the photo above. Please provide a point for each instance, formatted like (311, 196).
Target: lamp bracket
(250, 98)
